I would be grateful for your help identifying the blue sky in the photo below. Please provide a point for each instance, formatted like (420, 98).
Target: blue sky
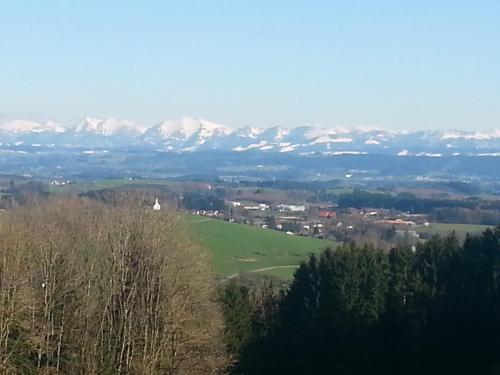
(395, 64)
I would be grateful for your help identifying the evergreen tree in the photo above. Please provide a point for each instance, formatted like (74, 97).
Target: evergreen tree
(237, 311)
(359, 310)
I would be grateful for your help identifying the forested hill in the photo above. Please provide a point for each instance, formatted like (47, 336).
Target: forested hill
(358, 311)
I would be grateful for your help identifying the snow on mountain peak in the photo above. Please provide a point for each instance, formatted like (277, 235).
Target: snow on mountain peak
(474, 136)
(181, 129)
(248, 132)
(369, 129)
(276, 133)
(109, 126)
(328, 139)
(186, 127)
(50, 126)
(24, 126)
(314, 132)
(87, 124)
(208, 129)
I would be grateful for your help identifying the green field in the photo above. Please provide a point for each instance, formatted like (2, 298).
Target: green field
(239, 247)
(444, 229)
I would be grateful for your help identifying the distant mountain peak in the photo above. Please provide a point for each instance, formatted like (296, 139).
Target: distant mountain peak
(109, 126)
(276, 133)
(25, 126)
(187, 127)
(248, 132)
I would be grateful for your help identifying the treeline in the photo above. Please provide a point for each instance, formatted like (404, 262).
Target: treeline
(21, 193)
(356, 310)
(203, 201)
(293, 184)
(401, 202)
(466, 216)
(191, 200)
(87, 288)
(464, 211)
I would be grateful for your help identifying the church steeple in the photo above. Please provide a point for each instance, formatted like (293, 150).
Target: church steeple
(156, 206)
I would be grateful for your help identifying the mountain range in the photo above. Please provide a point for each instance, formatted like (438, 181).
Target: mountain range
(190, 135)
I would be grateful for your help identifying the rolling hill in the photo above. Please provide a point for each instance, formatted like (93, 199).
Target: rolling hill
(238, 247)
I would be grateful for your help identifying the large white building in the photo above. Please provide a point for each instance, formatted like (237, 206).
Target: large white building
(291, 208)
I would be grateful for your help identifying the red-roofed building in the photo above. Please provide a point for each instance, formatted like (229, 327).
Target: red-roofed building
(327, 214)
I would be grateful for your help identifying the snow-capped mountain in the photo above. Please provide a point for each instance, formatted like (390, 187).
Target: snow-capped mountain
(109, 127)
(189, 135)
(248, 132)
(23, 126)
(186, 134)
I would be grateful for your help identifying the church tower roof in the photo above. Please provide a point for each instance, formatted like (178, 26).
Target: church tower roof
(157, 206)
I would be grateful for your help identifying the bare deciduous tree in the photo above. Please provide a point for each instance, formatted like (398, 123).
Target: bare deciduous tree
(92, 289)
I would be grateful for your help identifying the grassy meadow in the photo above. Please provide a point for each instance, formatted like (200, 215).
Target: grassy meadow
(238, 247)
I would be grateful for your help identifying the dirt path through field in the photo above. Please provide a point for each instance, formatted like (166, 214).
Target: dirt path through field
(260, 270)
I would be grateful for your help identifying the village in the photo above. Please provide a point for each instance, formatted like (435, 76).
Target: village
(324, 221)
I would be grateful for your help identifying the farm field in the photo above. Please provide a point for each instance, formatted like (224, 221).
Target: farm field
(238, 247)
(444, 229)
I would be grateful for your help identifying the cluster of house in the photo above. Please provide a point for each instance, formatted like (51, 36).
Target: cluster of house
(309, 221)
(266, 207)
(404, 224)
(396, 222)
(259, 207)
(304, 229)
(216, 213)
(61, 182)
(303, 225)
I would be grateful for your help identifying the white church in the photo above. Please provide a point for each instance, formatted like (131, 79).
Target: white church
(156, 206)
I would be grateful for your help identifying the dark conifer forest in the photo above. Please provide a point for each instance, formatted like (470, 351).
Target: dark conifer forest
(431, 310)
